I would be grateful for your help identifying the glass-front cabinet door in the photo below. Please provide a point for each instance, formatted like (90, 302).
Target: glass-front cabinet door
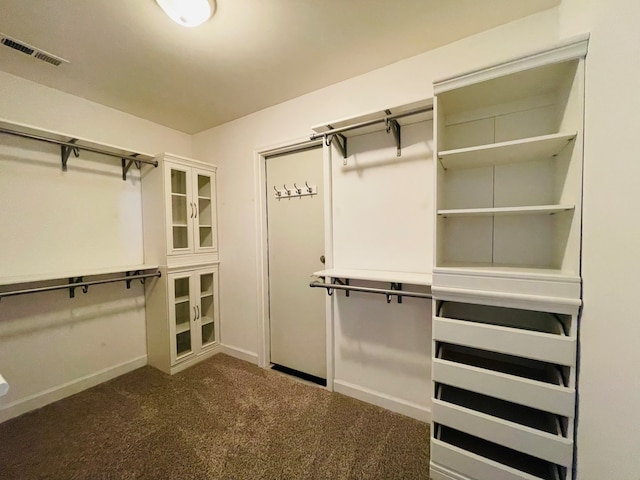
(181, 313)
(182, 210)
(205, 218)
(207, 307)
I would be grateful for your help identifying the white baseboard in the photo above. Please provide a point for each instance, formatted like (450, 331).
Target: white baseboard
(241, 354)
(208, 353)
(383, 400)
(59, 392)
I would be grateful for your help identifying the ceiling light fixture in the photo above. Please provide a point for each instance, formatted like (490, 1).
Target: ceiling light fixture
(188, 13)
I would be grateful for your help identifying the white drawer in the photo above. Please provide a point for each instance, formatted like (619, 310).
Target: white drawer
(536, 394)
(547, 347)
(551, 447)
(472, 466)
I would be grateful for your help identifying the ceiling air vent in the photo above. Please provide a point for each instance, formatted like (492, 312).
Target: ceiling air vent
(31, 50)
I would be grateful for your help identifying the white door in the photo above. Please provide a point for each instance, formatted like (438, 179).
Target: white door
(296, 245)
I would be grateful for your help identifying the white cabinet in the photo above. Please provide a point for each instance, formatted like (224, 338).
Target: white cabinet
(193, 312)
(180, 234)
(179, 212)
(191, 218)
(506, 282)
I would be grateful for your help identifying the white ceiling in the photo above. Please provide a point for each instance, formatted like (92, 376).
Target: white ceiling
(253, 54)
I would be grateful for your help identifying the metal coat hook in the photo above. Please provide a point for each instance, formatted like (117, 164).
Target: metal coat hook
(309, 189)
(288, 190)
(298, 190)
(328, 139)
(278, 192)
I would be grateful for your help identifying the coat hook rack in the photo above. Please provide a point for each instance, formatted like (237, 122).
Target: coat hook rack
(287, 192)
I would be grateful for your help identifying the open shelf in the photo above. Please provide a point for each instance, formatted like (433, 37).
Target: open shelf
(522, 150)
(484, 212)
(206, 321)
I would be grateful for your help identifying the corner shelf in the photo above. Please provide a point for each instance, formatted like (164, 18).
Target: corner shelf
(515, 151)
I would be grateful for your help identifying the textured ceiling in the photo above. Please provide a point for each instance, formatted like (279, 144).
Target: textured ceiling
(253, 54)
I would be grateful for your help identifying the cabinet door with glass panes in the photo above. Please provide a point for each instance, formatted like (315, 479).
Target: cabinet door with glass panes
(191, 218)
(193, 312)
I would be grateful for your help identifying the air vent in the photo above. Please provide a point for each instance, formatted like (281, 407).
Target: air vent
(31, 50)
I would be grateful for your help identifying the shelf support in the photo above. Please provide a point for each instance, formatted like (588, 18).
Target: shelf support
(126, 165)
(395, 286)
(65, 151)
(72, 290)
(340, 282)
(394, 127)
(341, 144)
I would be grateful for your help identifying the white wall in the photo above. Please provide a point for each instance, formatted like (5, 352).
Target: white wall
(609, 383)
(51, 345)
(375, 355)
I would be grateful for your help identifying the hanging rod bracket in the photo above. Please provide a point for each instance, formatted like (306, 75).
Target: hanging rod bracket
(395, 286)
(126, 165)
(341, 143)
(339, 281)
(134, 276)
(394, 127)
(72, 289)
(65, 152)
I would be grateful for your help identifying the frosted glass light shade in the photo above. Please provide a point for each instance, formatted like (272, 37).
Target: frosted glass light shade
(188, 13)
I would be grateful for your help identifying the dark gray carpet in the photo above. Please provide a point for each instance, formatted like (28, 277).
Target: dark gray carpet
(222, 419)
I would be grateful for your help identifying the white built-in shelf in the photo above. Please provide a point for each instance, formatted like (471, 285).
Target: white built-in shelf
(178, 194)
(206, 321)
(484, 212)
(45, 277)
(515, 151)
(506, 271)
(408, 278)
(179, 225)
(206, 294)
(183, 327)
(183, 299)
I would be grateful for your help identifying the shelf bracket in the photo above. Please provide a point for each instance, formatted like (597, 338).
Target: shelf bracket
(395, 286)
(394, 127)
(341, 144)
(133, 276)
(65, 152)
(72, 290)
(126, 165)
(340, 282)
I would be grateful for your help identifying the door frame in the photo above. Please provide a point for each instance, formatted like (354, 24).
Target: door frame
(262, 252)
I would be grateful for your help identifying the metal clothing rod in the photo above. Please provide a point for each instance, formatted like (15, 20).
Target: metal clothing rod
(382, 291)
(74, 285)
(368, 123)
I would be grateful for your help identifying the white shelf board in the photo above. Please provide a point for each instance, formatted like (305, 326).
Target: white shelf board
(524, 150)
(343, 122)
(483, 212)
(409, 278)
(507, 271)
(65, 137)
(182, 299)
(206, 321)
(183, 327)
(44, 277)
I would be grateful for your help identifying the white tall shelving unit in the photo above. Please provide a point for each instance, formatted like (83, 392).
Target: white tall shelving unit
(180, 235)
(506, 282)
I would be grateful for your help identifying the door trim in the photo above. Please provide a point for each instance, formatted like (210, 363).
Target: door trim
(262, 256)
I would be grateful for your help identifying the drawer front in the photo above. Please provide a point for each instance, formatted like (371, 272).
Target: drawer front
(511, 341)
(473, 466)
(539, 444)
(540, 395)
